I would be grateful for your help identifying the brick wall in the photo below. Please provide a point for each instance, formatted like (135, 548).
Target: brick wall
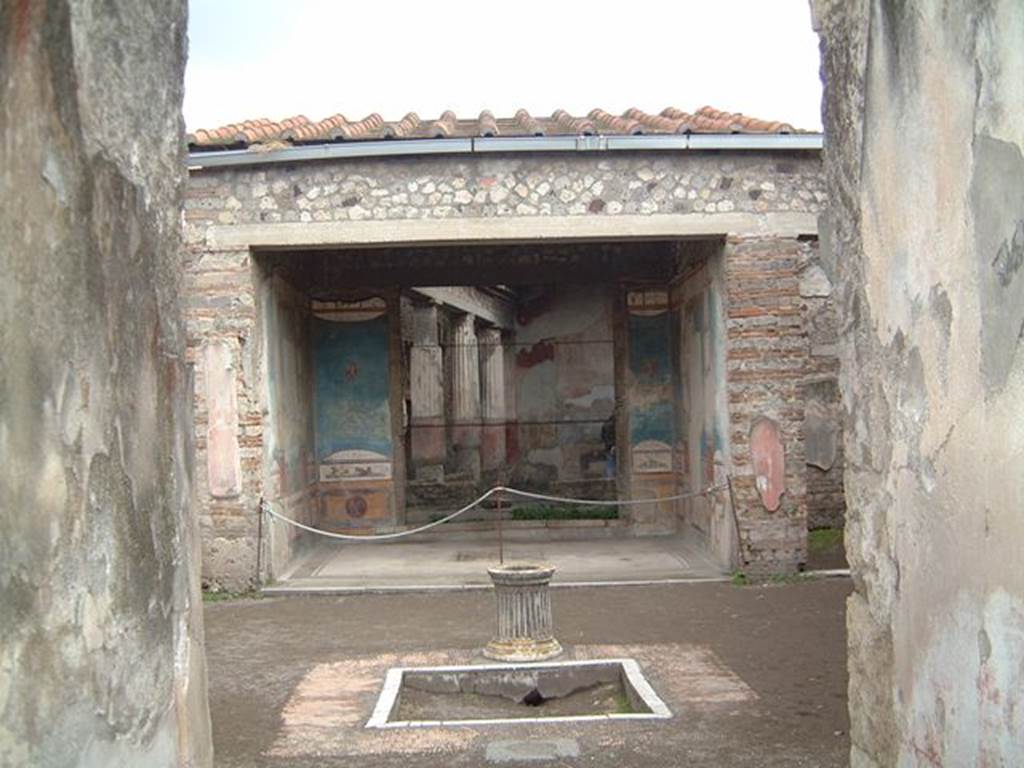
(221, 310)
(777, 357)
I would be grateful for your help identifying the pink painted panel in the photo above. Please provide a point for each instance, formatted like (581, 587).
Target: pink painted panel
(223, 462)
(769, 459)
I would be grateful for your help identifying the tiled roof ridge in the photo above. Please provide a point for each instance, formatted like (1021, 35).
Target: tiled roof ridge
(299, 129)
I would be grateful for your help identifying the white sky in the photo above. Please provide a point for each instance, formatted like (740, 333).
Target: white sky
(277, 58)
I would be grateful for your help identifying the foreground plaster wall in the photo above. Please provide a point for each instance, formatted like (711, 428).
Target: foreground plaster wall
(101, 655)
(289, 459)
(924, 115)
(702, 411)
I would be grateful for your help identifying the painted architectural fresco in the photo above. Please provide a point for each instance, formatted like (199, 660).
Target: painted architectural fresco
(564, 380)
(651, 410)
(353, 414)
(702, 429)
(289, 448)
(702, 415)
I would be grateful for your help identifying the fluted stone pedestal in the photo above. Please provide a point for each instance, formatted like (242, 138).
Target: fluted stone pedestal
(524, 614)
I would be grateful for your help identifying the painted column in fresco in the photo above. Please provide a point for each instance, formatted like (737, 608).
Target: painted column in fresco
(354, 443)
(465, 384)
(426, 383)
(492, 390)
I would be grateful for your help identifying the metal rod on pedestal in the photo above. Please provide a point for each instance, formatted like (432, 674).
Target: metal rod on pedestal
(501, 537)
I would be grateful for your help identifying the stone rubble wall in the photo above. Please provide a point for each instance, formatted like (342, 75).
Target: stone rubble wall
(101, 633)
(503, 186)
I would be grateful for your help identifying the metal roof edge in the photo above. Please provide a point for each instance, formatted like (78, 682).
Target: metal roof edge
(487, 145)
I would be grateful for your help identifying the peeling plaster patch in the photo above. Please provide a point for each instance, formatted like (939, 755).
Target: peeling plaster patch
(997, 202)
(814, 283)
(540, 352)
(976, 724)
(1010, 256)
(913, 394)
(598, 393)
(820, 436)
(54, 176)
(942, 312)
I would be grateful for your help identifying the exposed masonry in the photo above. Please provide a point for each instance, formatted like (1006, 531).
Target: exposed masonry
(779, 341)
(772, 361)
(356, 190)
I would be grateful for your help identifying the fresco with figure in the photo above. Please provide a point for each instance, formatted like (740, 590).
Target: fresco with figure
(650, 402)
(353, 416)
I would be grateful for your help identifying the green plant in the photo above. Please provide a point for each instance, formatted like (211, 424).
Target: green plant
(623, 706)
(787, 578)
(824, 540)
(223, 596)
(561, 512)
(739, 578)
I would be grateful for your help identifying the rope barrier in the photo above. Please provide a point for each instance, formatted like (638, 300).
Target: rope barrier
(370, 538)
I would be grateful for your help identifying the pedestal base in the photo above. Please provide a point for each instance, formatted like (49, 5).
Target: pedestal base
(524, 614)
(522, 650)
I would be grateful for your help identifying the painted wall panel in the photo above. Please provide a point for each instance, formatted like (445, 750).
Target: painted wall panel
(351, 388)
(564, 383)
(650, 386)
(223, 461)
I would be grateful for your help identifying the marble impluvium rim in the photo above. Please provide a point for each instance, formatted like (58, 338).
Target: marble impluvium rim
(387, 702)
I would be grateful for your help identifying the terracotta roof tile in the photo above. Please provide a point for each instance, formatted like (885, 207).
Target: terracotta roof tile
(301, 130)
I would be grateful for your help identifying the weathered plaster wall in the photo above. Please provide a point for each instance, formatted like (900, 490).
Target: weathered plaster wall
(564, 382)
(819, 392)
(290, 466)
(924, 115)
(101, 646)
(702, 413)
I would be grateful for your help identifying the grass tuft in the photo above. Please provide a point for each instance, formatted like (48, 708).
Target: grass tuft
(824, 540)
(223, 596)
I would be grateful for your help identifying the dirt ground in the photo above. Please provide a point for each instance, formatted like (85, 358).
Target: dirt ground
(754, 676)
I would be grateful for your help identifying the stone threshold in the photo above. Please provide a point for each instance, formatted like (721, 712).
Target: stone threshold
(284, 589)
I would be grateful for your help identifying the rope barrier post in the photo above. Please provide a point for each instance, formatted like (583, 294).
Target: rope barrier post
(735, 521)
(259, 546)
(501, 537)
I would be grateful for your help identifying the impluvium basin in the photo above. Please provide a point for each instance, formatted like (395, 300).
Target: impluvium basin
(490, 694)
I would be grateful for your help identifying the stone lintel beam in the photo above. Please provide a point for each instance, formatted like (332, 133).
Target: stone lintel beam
(473, 301)
(532, 228)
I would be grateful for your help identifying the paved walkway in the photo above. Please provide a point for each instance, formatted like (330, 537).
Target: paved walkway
(337, 567)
